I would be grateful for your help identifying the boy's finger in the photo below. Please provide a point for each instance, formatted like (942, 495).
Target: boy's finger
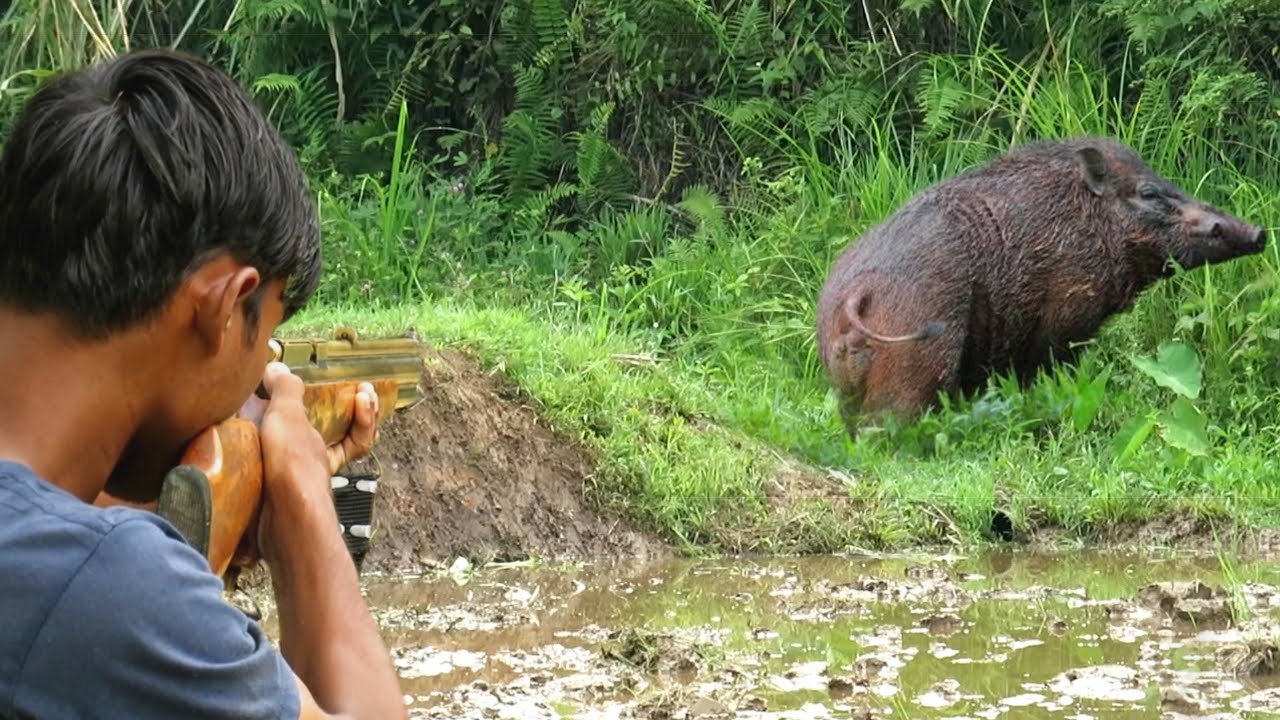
(281, 384)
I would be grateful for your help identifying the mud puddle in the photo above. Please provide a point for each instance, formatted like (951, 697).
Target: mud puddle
(1020, 635)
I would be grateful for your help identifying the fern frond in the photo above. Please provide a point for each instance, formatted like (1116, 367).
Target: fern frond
(939, 94)
(591, 152)
(745, 29)
(917, 7)
(704, 205)
(839, 102)
(678, 162)
(603, 172)
(362, 145)
(528, 148)
(592, 145)
(551, 24)
(277, 82)
(529, 88)
(516, 45)
(281, 10)
(708, 20)
(411, 83)
(317, 105)
(601, 115)
(530, 218)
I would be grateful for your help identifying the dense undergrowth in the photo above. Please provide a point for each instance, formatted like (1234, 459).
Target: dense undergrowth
(630, 207)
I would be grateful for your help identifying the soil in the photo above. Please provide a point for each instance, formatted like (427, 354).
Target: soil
(473, 471)
(1183, 530)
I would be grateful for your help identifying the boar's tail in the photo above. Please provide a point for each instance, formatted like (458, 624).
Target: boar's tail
(929, 330)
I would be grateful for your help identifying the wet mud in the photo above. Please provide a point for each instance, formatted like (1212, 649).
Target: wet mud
(1017, 635)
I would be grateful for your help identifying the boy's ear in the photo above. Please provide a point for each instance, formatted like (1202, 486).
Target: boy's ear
(220, 292)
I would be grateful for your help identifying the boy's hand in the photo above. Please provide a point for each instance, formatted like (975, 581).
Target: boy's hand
(326, 631)
(296, 465)
(360, 437)
(363, 431)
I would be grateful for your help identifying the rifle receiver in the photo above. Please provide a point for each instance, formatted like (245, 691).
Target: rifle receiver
(347, 358)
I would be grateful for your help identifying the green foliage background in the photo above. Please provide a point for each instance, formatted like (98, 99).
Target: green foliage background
(681, 173)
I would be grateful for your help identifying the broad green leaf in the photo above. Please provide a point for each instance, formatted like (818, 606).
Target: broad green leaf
(1175, 366)
(1184, 427)
(1086, 402)
(1131, 436)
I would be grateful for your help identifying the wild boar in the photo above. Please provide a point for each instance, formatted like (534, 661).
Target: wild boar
(1002, 268)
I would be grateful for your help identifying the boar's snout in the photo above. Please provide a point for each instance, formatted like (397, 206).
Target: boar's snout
(1239, 237)
(1259, 238)
(1216, 236)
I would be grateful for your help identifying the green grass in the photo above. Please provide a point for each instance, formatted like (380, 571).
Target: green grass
(524, 251)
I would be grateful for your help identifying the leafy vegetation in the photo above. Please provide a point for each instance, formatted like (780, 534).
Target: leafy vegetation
(559, 184)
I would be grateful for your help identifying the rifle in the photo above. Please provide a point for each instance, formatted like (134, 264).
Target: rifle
(214, 496)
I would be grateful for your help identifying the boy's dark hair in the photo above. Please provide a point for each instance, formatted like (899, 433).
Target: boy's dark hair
(121, 178)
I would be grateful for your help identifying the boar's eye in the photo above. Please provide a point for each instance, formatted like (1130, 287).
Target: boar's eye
(1148, 191)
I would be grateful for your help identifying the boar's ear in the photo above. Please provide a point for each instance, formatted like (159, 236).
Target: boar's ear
(1095, 169)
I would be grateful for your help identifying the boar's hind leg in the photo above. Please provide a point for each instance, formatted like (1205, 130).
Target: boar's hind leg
(905, 380)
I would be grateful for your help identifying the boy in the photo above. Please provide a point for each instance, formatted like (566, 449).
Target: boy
(154, 232)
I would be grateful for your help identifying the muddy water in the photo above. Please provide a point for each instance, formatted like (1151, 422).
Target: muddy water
(1018, 635)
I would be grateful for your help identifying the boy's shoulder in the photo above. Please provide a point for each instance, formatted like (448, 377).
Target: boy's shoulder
(119, 594)
(48, 537)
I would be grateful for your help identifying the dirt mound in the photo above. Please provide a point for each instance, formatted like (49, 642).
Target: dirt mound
(1188, 531)
(473, 471)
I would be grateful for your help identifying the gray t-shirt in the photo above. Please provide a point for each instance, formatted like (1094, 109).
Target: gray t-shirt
(109, 613)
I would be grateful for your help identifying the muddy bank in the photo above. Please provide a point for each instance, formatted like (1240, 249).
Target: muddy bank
(1186, 531)
(472, 471)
